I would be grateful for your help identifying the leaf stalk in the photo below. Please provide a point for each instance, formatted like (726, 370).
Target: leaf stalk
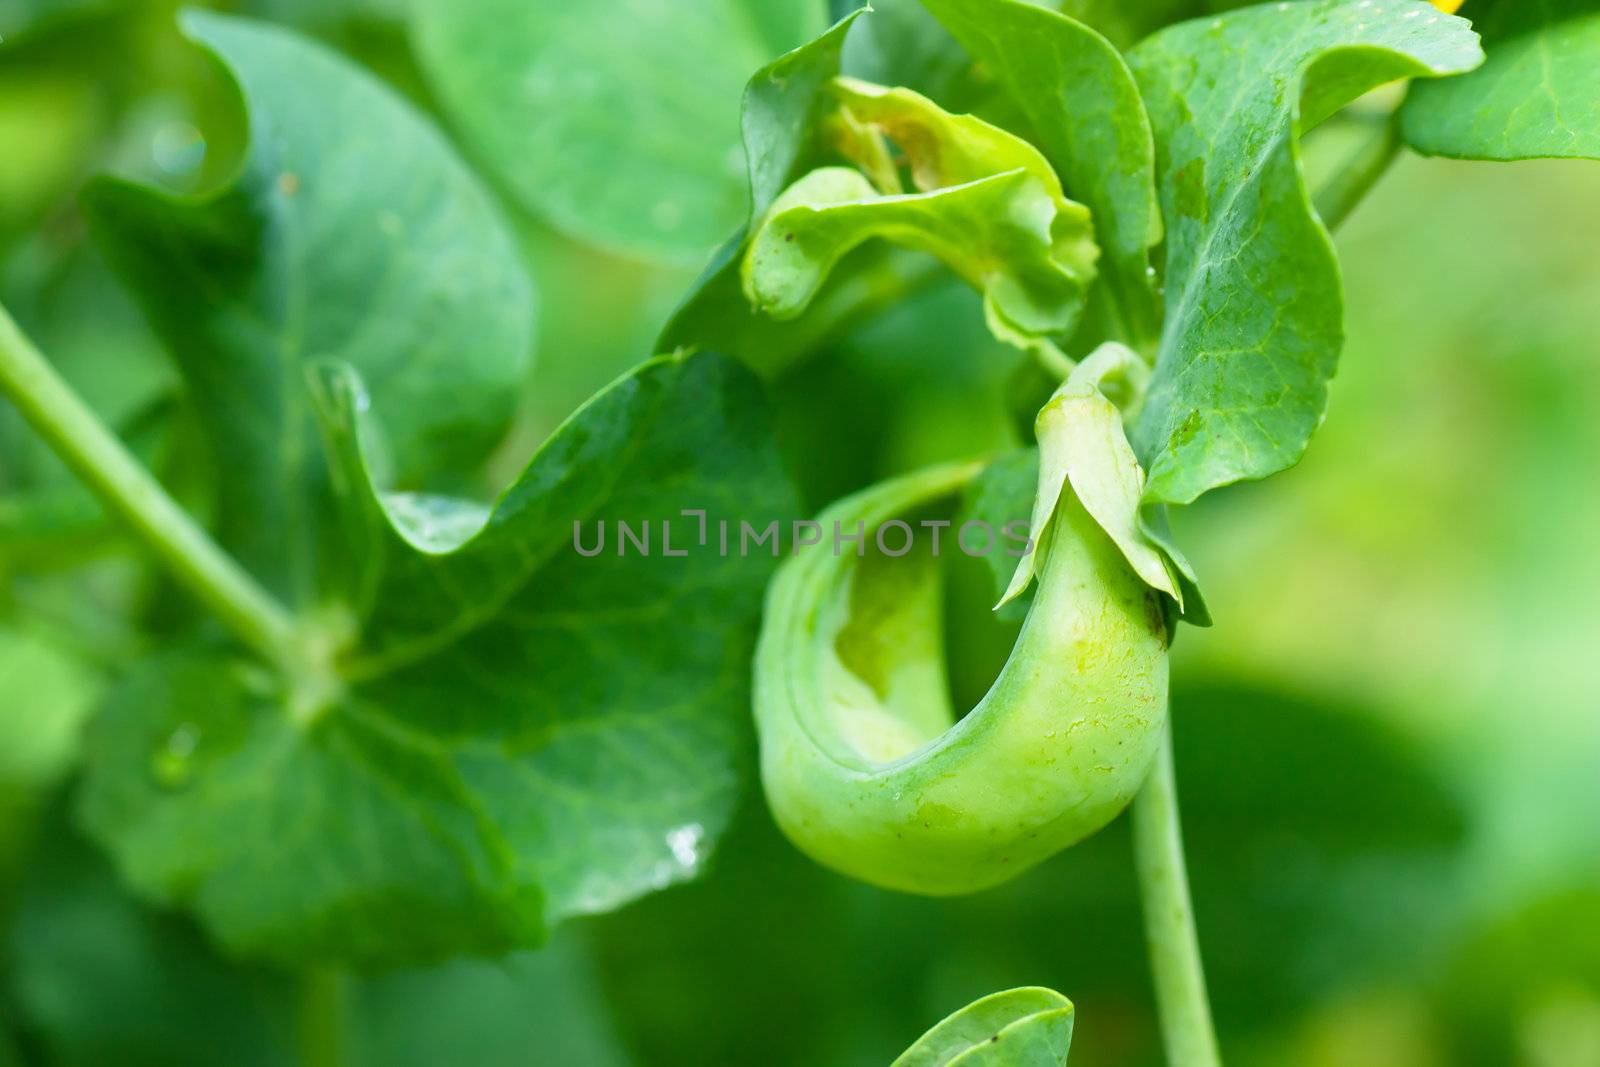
(104, 464)
(1340, 194)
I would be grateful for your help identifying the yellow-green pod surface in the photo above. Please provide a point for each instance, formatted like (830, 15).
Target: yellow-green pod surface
(866, 768)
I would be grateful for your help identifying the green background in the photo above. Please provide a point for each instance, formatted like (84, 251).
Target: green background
(1388, 745)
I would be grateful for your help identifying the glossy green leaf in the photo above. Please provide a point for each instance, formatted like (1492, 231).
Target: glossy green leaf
(619, 120)
(523, 733)
(1125, 22)
(780, 103)
(1085, 109)
(491, 731)
(1254, 306)
(1028, 1027)
(985, 203)
(1537, 94)
(351, 233)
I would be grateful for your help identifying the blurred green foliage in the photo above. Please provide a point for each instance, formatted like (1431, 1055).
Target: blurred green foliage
(1389, 744)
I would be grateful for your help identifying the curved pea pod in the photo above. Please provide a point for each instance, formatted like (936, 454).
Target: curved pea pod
(866, 768)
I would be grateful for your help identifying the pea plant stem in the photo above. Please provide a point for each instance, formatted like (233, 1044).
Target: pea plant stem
(320, 1031)
(1180, 981)
(100, 459)
(1339, 195)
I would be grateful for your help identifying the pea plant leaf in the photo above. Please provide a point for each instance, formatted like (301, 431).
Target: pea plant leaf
(317, 252)
(1254, 306)
(600, 117)
(1537, 94)
(982, 201)
(537, 734)
(500, 730)
(1085, 109)
(986, 204)
(1027, 1027)
(781, 103)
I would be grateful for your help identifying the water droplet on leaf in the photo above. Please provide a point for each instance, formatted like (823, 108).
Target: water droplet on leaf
(178, 149)
(172, 764)
(684, 842)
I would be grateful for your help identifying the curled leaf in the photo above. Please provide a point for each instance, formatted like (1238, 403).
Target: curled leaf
(1079, 97)
(1254, 310)
(781, 103)
(940, 149)
(986, 204)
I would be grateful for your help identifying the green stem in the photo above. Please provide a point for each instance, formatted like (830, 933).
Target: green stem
(320, 1019)
(1337, 197)
(100, 459)
(1169, 920)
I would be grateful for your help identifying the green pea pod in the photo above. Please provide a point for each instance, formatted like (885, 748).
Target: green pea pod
(866, 768)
